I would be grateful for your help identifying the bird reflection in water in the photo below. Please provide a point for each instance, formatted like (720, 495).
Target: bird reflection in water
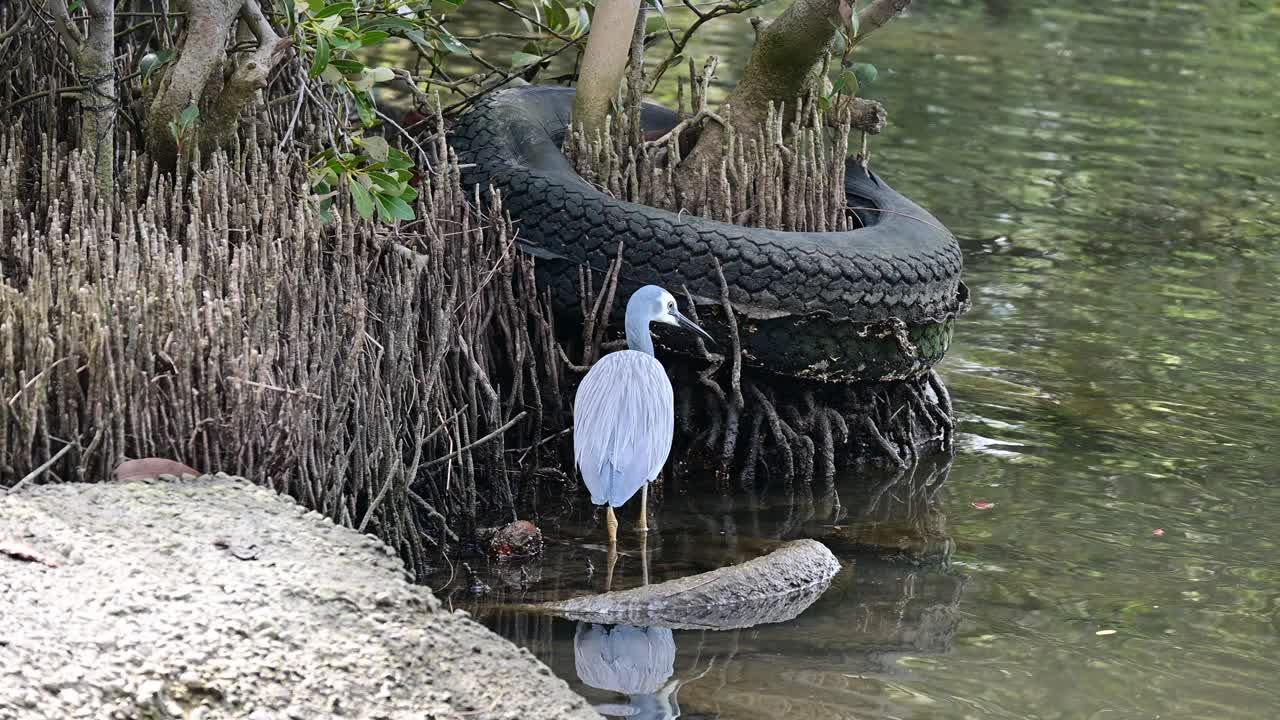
(635, 661)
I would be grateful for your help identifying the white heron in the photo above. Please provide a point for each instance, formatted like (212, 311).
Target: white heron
(624, 411)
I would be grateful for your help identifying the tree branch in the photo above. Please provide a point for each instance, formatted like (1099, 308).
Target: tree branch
(249, 77)
(778, 72)
(200, 57)
(603, 63)
(874, 16)
(868, 116)
(532, 21)
(16, 27)
(678, 44)
(67, 30)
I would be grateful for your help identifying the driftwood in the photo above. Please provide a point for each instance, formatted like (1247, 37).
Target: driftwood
(773, 588)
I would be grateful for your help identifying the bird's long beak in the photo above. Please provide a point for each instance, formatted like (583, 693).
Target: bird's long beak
(688, 324)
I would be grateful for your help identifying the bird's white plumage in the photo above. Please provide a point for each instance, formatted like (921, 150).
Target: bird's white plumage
(623, 421)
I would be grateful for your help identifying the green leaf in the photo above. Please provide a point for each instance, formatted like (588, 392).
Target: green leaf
(364, 108)
(839, 43)
(847, 83)
(373, 37)
(290, 13)
(331, 74)
(448, 5)
(523, 59)
(384, 212)
(321, 60)
(364, 83)
(853, 19)
(866, 73)
(336, 167)
(334, 9)
(408, 194)
(450, 43)
(154, 61)
(188, 116)
(387, 182)
(419, 41)
(345, 40)
(557, 15)
(348, 67)
(376, 146)
(389, 24)
(382, 74)
(363, 200)
(398, 208)
(397, 160)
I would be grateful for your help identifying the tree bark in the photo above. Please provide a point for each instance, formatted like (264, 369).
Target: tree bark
(781, 68)
(249, 77)
(94, 57)
(202, 50)
(603, 63)
(199, 75)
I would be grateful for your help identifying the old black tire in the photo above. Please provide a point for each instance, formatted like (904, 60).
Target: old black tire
(876, 303)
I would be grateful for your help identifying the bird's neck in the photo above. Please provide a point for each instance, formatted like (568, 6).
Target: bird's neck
(638, 337)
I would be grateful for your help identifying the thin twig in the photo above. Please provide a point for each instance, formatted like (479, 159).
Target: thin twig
(505, 426)
(40, 470)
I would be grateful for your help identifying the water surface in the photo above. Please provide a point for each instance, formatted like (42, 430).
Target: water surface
(1103, 545)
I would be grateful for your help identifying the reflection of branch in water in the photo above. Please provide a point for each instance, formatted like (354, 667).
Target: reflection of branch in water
(878, 513)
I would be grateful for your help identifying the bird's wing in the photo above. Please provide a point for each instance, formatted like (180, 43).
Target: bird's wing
(625, 659)
(623, 420)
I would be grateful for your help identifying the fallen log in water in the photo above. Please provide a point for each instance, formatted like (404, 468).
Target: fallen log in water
(768, 589)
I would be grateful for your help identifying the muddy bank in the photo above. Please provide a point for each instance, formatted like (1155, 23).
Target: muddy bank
(214, 598)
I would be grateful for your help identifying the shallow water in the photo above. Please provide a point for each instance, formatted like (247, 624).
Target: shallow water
(1110, 169)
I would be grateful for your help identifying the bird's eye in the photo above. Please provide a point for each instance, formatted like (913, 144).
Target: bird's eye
(671, 305)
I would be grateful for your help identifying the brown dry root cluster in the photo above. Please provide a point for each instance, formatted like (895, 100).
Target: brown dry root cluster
(788, 176)
(386, 379)
(750, 428)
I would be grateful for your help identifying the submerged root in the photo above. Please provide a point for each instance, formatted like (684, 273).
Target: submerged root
(797, 438)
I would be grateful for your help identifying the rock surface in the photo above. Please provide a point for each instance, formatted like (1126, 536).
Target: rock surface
(213, 598)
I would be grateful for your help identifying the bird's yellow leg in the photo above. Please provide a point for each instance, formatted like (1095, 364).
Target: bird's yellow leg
(644, 533)
(612, 522)
(644, 558)
(644, 509)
